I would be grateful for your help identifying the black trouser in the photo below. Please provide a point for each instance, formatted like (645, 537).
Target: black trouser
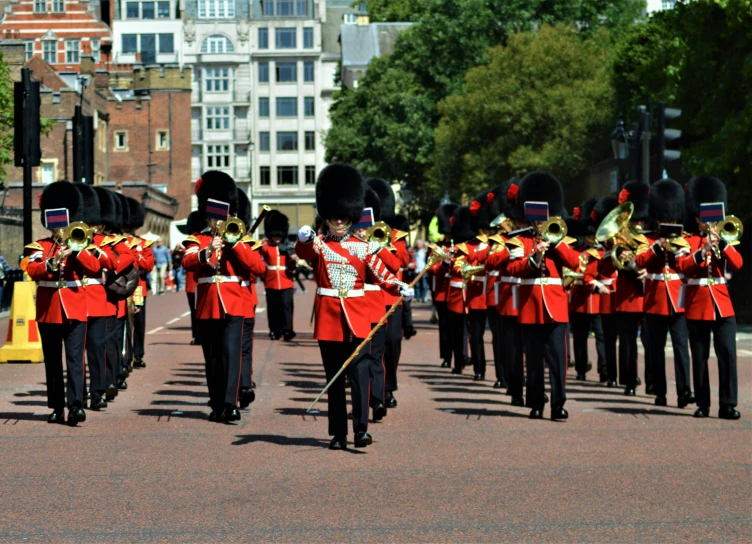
(645, 341)
(629, 322)
(545, 342)
(611, 328)
(96, 349)
(477, 320)
(445, 341)
(511, 336)
(113, 353)
(372, 357)
(457, 337)
(580, 326)
(407, 315)
(333, 355)
(124, 346)
(392, 349)
(223, 345)
(660, 326)
(192, 305)
(724, 344)
(498, 346)
(279, 310)
(73, 335)
(139, 332)
(246, 378)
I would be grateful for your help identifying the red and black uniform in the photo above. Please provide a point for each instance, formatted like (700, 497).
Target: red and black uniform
(191, 281)
(475, 303)
(393, 346)
(456, 305)
(584, 309)
(141, 250)
(604, 280)
(440, 289)
(248, 281)
(278, 283)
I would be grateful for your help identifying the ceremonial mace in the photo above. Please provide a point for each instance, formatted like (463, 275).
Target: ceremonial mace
(436, 255)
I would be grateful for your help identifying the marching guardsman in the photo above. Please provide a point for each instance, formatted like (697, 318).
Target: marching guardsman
(708, 305)
(59, 270)
(145, 263)
(664, 289)
(393, 348)
(278, 279)
(440, 284)
(221, 300)
(496, 242)
(543, 308)
(402, 224)
(342, 265)
(196, 222)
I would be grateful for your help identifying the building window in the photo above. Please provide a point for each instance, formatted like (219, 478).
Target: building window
(217, 156)
(285, 38)
(95, 49)
(49, 52)
(263, 141)
(287, 107)
(285, 8)
(216, 43)
(130, 43)
(350, 19)
(48, 171)
(263, 38)
(72, 50)
(28, 49)
(265, 176)
(58, 6)
(40, 6)
(668, 4)
(147, 10)
(163, 140)
(310, 175)
(287, 72)
(121, 140)
(218, 118)
(310, 140)
(263, 69)
(131, 10)
(216, 9)
(308, 107)
(166, 43)
(263, 106)
(287, 175)
(217, 79)
(163, 10)
(308, 38)
(287, 141)
(308, 71)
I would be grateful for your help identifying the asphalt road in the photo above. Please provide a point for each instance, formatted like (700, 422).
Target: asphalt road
(454, 462)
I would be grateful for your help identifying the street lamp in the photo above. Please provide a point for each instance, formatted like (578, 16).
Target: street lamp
(620, 142)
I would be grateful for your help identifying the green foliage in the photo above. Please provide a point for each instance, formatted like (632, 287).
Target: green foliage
(544, 102)
(389, 11)
(6, 117)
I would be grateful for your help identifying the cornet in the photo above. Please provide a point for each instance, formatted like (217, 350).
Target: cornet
(729, 230)
(77, 236)
(232, 230)
(380, 233)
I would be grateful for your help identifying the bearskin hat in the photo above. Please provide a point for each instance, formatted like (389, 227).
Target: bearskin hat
(445, 214)
(340, 193)
(195, 222)
(244, 208)
(666, 202)
(386, 196)
(483, 210)
(217, 186)
(574, 229)
(136, 214)
(90, 214)
(638, 194)
(543, 187)
(601, 209)
(276, 224)
(512, 207)
(587, 226)
(401, 222)
(374, 202)
(460, 221)
(125, 211)
(107, 207)
(62, 194)
(704, 189)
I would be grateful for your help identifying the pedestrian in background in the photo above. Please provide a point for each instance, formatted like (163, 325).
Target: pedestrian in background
(4, 270)
(421, 288)
(177, 267)
(162, 260)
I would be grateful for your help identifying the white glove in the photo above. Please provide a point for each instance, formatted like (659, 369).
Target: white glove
(406, 292)
(306, 234)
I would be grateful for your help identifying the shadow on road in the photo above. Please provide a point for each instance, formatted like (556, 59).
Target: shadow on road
(280, 440)
(181, 393)
(167, 414)
(29, 403)
(643, 412)
(5, 417)
(477, 413)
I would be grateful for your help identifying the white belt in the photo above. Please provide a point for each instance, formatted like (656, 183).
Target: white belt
(664, 277)
(493, 273)
(91, 281)
(371, 287)
(510, 279)
(219, 279)
(340, 293)
(705, 282)
(457, 284)
(541, 281)
(245, 283)
(62, 284)
(609, 281)
(275, 267)
(577, 282)
(480, 279)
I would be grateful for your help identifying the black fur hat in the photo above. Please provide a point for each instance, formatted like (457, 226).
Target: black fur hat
(90, 214)
(125, 211)
(107, 208)
(340, 193)
(513, 206)
(704, 189)
(136, 214)
(386, 197)
(276, 224)
(587, 226)
(401, 223)
(373, 201)
(543, 187)
(195, 222)
(460, 221)
(574, 228)
(445, 214)
(218, 186)
(244, 208)
(667, 201)
(483, 210)
(601, 209)
(62, 194)
(638, 194)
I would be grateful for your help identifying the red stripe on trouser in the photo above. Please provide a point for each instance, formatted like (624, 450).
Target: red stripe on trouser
(240, 366)
(83, 359)
(566, 356)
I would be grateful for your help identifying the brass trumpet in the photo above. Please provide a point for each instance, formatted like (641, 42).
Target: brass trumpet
(232, 230)
(77, 236)
(380, 233)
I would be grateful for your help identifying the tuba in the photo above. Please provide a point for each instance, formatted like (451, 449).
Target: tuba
(77, 236)
(232, 230)
(616, 226)
(380, 233)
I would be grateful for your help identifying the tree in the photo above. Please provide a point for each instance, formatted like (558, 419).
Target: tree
(6, 117)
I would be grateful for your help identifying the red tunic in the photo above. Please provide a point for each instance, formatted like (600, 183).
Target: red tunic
(374, 292)
(583, 299)
(277, 275)
(475, 292)
(607, 275)
(506, 289)
(59, 302)
(457, 292)
(191, 280)
(400, 251)
(663, 283)
(114, 255)
(706, 288)
(439, 278)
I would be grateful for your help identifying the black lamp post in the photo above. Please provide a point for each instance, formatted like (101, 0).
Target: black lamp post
(623, 142)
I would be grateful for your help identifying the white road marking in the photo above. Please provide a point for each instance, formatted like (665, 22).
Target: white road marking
(154, 331)
(186, 314)
(260, 310)
(171, 321)
(745, 352)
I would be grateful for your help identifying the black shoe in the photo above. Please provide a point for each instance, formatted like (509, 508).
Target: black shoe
(580, 377)
(685, 399)
(589, 366)
(88, 395)
(479, 378)
(289, 336)
(128, 369)
(702, 411)
(194, 342)
(545, 398)
(122, 385)
(230, 413)
(97, 402)
(456, 371)
(247, 396)
(728, 412)
(650, 389)
(660, 401)
(498, 385)
(76, 416)
(602, 378)
(570, 364)
(349, 415)
(213, 416)
(362, 439)
(273, 336)
(559, 413)
(111, 392)
(338, 443)
(518, 401)
(391, 402)
(536, 413)
(139, 363)
(611, 384)
(445, 364)
(57, 416)
(638, 382)
(629, 392)
(379, 412)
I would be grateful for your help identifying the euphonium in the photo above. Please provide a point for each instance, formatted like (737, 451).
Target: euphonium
(232, 230)
(616, 227)
(77, 236)
(381, 233)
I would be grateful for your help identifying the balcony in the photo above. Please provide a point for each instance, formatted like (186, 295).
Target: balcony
(197, 134)
(242, 97)
(242, 172)
(196, 96)
(242, 134)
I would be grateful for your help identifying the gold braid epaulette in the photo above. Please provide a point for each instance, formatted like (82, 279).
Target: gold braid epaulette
(191, 240)
(34, 245)
(515, 242)
(148, 243)
(399, 235)
(463, 248)
(569, 240)
(594, 253)
(253, 242)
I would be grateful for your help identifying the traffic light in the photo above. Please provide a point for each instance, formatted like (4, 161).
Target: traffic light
(26, 123)
(83, 147)
(667, 135)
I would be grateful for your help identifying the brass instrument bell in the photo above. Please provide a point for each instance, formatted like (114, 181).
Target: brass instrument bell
(380, 233)
(553, 231)
(77, 236)
(731, 229)
(468, 271)
(616, 227)
(232, 230)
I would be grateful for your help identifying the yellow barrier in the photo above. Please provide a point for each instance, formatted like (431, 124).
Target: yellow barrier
(22, 343)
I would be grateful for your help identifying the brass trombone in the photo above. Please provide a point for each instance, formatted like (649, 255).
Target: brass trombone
(232, 230)
(77, 236)
(729, 230)
(380, 233)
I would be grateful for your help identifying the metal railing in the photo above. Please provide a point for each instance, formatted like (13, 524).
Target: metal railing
(242, 97)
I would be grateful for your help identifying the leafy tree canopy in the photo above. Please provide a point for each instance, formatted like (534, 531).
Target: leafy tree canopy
(6, 117)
